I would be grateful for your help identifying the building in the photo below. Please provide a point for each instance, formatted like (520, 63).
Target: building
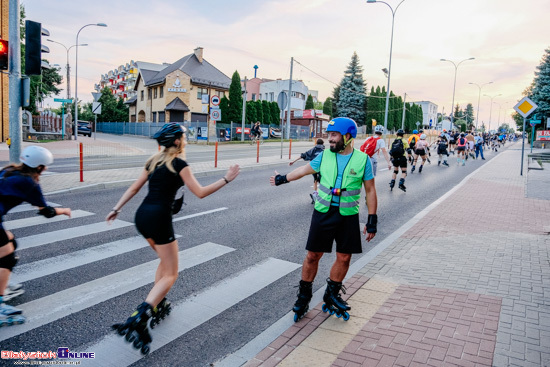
(121, 81)
(174, 92)
(429, 111)
(270, 90)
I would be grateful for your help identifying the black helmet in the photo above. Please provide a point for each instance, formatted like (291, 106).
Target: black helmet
(168, 134)
(400, 132)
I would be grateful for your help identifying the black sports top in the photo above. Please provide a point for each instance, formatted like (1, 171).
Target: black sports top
(163, 183)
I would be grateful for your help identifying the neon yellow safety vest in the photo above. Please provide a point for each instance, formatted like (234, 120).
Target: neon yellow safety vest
(352, 181)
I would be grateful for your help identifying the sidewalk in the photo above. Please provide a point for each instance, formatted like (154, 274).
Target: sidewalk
(464, 283)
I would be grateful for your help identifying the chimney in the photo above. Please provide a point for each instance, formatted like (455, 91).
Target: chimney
(198, 53)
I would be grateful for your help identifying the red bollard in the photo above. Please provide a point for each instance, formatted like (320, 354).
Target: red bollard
(258, 151)
(81, 163)
(216, 157)
(290, 149)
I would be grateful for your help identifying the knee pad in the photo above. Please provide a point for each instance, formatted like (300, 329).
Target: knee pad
(8, 261)
(396, 171)
(14, 243)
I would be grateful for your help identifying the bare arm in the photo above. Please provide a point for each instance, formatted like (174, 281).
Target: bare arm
(203, 191)
(372, 204)
(294, 161)
(129, 194)
(387, 156)
(295, 174)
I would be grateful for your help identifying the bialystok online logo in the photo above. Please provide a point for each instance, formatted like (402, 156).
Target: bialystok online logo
(62, 353)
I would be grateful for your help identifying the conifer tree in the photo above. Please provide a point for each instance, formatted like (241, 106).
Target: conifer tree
(224, 109)
(259, 111)
(235, 112)
(309, 103)
(275, 114)
(327, 107)
(267, 112)
(351, 101)
(540, 92)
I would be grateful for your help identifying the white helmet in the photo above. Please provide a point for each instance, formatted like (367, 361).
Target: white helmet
(379, 129)
(35, 156)
(423, 137)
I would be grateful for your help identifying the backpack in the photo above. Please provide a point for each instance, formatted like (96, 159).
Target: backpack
(462, 142)
(397, 148)
(312, 153)
(413, 140)
(369, 146)
(441, 148)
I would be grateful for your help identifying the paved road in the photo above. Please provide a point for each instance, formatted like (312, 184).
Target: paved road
(242, 254)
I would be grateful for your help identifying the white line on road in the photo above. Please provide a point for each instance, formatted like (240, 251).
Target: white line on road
(66, 302)
(38, 220)
(197, 214)
(112, 350)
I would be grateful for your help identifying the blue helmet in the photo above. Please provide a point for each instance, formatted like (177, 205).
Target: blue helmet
(168, 134)
(343, 125)
(415, 131)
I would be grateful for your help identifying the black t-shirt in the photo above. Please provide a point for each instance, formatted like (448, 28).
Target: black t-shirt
(163, 183)
(16, 188)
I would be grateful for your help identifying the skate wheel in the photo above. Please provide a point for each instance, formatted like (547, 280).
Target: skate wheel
(338, 314)
(325, 308)
(130, 337)
(346, 316)
(296, 318)
(153, 324)
(331, 311)
(145, 349)
(138, 344)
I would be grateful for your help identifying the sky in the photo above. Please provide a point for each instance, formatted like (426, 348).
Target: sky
(507, 39)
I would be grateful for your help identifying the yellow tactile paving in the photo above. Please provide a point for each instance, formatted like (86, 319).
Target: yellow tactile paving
(328, 341)
(305, 356)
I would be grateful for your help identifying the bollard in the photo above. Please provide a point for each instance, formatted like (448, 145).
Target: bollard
(258, 151)
(216, 156)
(81, 163)
(290, 149)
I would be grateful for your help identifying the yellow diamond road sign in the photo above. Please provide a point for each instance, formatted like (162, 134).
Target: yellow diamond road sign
(525, 107)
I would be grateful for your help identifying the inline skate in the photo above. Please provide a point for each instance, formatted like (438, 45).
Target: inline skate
(302, 303)
(160, 312)
(334, 304)
(12, 291)
(10, 315)
(402, 185)
(392, 184)
(135, 328)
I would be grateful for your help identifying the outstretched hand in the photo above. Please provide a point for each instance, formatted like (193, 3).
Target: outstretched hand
(233, 172)
(272, 179)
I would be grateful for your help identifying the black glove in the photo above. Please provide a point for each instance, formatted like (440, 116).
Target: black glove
(48, 212)
(371, 223)
(280, 179)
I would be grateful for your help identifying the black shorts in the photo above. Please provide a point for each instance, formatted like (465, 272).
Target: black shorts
(461, 149)
(332, 226)
(4, 239)
(453, 142)
(155, 221)
(316, 177)
(400, 162)
(420, 152)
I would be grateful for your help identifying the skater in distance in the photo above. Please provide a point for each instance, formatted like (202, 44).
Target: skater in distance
(166, 173)
(344, 170)
(19, 183)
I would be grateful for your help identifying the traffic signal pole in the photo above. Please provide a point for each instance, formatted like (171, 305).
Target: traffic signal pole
(14, 82)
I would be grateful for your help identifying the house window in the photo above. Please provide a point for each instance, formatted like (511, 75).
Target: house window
(155, 93)
(154, 117)
(149, 93)
(162, 115)
(253, 96)
(161, 93)
(272, 95)
(220, 93)
(201, 91)
(142, 95)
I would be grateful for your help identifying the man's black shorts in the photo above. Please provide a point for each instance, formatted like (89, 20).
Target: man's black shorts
(316, 177)
(332, 226)
(400, 162)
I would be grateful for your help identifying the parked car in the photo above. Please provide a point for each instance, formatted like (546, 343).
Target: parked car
(85, 128)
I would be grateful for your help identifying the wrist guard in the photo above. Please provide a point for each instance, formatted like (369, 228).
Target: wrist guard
(372, 221)
(280, 179)
(48, 212)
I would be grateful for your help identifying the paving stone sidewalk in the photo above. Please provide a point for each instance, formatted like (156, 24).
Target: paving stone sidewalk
(468, 285)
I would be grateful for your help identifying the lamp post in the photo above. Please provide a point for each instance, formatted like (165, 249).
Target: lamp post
(454, 86)
(389, 66)
(478, 98)
(67, 66)
(76, 78)
(491, 109)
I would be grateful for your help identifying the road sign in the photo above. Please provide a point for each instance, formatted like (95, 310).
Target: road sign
(96, 108)
(205, 98)
(282, 100)
(215, 100)
(96, 96)
(64, 100)
(525, 107)
(215, 114)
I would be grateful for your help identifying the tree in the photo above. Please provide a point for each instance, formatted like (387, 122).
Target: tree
(251, 112)
(235, 112)
(318, 105)
(309, 102)
(112, 109)
(259, 111)
(351, 101)
(275, 113)
(335, 99)
(540, 91)
(224, 109)
(266, 112)
(327, 107)
(469, 114)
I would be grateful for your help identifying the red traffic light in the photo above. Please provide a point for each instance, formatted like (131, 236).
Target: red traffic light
(4, 54)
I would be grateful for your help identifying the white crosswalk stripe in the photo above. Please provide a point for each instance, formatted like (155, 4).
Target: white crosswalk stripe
(39, 219)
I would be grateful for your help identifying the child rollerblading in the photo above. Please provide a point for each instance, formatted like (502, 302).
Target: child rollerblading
(334, 304)
(135, 328)
(302, 303)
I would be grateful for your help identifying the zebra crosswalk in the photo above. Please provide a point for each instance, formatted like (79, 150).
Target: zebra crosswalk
(82, 295)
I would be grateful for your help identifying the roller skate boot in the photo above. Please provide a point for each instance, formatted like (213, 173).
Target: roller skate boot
(445, 163)
(10, 315)
(135, 328)
(420, 169)
(302, 303)
(334, 304)
(392, 184)
(402, 185)
(160, 312)
(12, 291)
(438, 163)
(413, 168)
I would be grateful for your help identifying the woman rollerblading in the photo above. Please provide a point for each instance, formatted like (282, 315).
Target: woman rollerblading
(302, 303)
(135, 328)
(334, 304)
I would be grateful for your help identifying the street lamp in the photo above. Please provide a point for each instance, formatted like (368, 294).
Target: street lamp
(454, 86)
(76, 78)
(478, 98)
(389, 67)
(67, 66)
(491, 109)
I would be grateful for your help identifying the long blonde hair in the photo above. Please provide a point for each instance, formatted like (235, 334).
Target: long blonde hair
(166, 156)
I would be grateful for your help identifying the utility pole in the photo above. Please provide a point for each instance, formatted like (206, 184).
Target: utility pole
(289, 100)
(244, 110)
(15, 82)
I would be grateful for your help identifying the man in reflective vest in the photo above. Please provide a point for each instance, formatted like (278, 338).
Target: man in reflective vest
(343, 171)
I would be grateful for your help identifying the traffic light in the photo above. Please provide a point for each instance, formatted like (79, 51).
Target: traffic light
(4, 54)
(34, 47)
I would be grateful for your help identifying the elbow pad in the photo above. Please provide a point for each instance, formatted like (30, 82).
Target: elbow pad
(371, 224)
(48, 212)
